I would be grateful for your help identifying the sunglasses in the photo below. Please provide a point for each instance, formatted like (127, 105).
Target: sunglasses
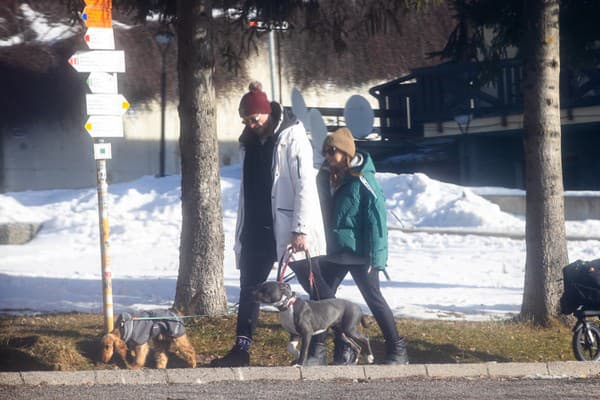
(251, 120)
(329, 151)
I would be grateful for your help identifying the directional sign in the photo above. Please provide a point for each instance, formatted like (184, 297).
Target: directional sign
(97, 17)
(102, 151)
(106, 104)
(98, 61)
(102, 82)
(104, 126)
(100, 38)
(99, 3)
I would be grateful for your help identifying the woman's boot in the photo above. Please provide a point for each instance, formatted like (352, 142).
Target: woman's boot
(343, 353)
(396, 352)
(317, 353)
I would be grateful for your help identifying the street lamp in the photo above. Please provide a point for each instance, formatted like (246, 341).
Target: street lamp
(163, 39)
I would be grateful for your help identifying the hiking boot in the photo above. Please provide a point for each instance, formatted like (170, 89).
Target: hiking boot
(343, 354)
(396, 352)
(317, 354)
(238, 356)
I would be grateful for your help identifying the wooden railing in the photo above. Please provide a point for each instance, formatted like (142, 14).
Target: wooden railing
(450, 91)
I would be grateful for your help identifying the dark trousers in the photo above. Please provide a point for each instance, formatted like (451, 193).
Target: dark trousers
(254, 270)
(331, 275)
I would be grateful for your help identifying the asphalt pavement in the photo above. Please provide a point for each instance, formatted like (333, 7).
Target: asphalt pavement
(542, 370)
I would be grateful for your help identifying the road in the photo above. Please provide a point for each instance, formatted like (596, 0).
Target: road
(408, 388)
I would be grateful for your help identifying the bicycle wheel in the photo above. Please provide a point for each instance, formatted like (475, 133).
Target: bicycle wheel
(586, 342)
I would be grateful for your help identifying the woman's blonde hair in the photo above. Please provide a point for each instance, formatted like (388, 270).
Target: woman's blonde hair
(336, 175)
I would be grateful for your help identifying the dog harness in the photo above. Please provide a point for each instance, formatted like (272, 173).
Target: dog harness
(141, 330)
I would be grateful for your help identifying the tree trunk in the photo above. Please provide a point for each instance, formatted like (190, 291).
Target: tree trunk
(200, 283)
(545, 223)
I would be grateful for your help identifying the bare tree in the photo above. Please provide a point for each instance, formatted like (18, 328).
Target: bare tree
(545, 223)
(200, 283)
(533, 27)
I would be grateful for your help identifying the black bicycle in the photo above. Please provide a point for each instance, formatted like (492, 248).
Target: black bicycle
(586, 335)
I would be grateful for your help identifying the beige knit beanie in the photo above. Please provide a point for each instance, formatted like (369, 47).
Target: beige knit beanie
(341, 139)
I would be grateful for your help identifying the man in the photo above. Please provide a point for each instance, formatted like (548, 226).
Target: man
(278, 205)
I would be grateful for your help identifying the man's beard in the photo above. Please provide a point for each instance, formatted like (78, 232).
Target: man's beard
(262, 131)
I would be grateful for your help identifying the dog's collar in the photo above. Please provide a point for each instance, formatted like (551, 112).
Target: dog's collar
(286, 302)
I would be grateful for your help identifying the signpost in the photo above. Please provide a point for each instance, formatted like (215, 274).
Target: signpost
(97, 17)
(102, 82)
(99, 3)
(105, 108)
(98, 61)
(106, 104)
(99, 126)
(102, 151)
(100, 38)
(271, 26)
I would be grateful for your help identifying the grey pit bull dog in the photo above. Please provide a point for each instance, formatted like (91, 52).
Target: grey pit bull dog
(306, 318)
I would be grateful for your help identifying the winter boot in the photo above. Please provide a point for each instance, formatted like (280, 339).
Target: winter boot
(317, 354)
(396, 352)
(343, 353)
(238, 356)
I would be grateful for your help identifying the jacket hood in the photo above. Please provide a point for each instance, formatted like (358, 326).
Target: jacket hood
(363, 163)
(283, 118)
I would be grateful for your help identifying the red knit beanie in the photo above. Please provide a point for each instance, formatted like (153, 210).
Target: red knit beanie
(255, 101)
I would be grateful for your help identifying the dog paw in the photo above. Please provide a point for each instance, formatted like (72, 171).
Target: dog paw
(370, 359)
(292, 348)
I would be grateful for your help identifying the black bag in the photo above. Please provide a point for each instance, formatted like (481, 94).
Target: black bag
(582, 286)
(310, 278)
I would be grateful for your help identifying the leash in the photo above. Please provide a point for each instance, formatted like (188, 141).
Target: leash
(311, 277)
(230, 310)
(282, 278)
(283, 266)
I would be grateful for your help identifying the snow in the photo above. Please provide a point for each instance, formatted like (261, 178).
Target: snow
(39, 29)
(433, 275)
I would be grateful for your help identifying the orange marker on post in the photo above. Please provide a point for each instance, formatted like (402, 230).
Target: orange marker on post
(97, 17)
(99, 3)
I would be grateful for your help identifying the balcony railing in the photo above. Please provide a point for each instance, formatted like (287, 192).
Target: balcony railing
(452, 91)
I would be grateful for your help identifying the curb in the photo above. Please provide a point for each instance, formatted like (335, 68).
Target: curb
(549, 370)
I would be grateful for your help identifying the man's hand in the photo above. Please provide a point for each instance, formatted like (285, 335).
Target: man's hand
(298, 242)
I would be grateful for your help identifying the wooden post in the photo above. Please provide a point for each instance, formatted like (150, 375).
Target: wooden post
(107, 299)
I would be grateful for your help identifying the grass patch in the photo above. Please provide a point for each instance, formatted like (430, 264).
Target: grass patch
(70, 341)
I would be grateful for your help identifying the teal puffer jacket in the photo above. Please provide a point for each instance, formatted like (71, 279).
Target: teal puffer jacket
(355, 214)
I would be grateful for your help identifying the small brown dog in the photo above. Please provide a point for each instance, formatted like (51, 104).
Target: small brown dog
(153, 330)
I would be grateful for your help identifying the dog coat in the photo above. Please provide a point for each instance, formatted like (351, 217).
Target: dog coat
(140, 331)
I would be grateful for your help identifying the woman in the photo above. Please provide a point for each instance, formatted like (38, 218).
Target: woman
(354, 215)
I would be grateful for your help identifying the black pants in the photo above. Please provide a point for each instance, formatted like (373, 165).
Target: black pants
(254, 270)
(330, 276)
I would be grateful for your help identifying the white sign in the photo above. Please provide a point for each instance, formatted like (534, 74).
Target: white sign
(104, 126)
(98, 61)
(102, 151)
(102, 82)
(106, 104)
(100, 38)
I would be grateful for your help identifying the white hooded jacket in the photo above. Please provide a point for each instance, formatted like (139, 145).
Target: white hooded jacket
(294, 198)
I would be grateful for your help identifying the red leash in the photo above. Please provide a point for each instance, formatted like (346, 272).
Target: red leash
(283, 266)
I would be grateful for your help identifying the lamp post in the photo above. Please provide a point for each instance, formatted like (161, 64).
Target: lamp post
(163, 39)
